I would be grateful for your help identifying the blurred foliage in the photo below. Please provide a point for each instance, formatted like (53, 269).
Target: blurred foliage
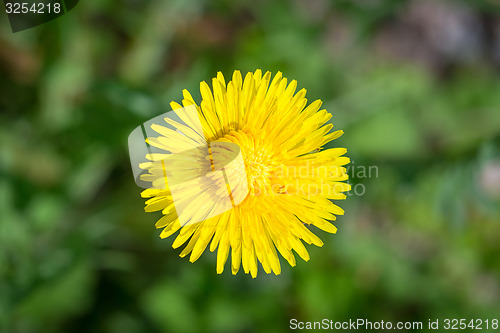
(414, 85)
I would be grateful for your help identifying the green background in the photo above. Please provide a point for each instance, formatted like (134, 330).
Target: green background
(415, 85)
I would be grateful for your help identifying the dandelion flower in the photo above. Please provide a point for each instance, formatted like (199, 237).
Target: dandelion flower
(290, 180)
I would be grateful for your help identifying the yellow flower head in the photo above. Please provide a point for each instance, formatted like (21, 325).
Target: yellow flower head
(283, 183)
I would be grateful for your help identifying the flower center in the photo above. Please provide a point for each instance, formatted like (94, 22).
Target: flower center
(259, 158)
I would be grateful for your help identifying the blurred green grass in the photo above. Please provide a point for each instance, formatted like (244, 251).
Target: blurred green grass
(77, 252)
